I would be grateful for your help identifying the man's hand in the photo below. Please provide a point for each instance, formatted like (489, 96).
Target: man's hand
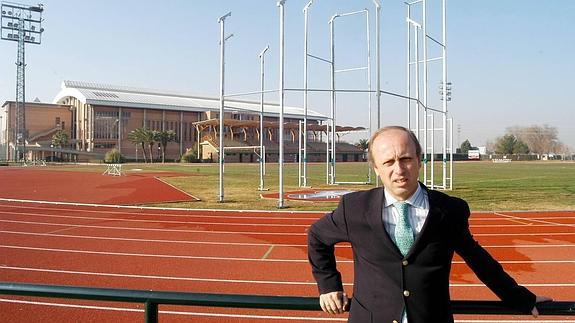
(539, 299)
(334, 302)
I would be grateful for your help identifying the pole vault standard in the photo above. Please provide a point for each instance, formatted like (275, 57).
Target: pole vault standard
(302, 161)
(424, 107)
(332, 157)
(221, 152)
(280, 4)
(262, 151)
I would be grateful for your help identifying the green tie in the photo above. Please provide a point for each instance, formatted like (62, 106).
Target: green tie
(403, 232)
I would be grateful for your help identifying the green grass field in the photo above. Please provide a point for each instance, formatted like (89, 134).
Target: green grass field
(485, 185)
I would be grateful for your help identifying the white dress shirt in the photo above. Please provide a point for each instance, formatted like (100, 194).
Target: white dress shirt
(418, 208)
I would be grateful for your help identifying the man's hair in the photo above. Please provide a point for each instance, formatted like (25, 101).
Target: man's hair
(380, 131)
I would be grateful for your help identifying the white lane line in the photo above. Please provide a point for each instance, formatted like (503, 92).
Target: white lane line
(158, 230)
(193, 279)
(107, 308)
(235, 281)
(126, 254)
(540, 221)
(251, 244)
(339, 261)
(247, 244)
(160, 208)
(165, 214)
(254, 232)
(265, 256)
(155, 221)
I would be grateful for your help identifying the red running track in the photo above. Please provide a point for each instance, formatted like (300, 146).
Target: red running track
(232, 252)
(221, 252)
(132, 188)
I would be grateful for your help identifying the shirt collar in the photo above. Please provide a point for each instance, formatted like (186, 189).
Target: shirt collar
(417, 199)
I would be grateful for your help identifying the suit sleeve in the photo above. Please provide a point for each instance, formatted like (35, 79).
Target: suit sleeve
(488, 270)
(322, 237)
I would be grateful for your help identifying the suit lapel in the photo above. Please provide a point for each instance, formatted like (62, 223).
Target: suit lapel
(375, 220)
(434, 216)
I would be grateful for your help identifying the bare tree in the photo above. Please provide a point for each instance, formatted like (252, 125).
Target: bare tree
(539, 139)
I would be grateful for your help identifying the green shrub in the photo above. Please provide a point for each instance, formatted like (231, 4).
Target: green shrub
(113, 157)
(190, 156)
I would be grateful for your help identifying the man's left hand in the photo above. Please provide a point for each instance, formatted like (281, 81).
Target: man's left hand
(539, 299)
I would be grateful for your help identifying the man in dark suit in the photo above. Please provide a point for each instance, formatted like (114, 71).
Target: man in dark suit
(403, 238)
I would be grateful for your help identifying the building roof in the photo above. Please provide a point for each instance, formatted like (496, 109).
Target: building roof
(124, 96)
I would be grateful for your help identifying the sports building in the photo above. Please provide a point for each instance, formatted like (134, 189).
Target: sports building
(98, 118)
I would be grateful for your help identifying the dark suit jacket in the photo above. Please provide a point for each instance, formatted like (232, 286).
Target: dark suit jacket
(385, 281)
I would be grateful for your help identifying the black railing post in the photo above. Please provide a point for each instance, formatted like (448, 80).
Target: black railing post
(151, 312)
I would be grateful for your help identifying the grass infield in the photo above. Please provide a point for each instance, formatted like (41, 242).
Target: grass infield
(486, 186)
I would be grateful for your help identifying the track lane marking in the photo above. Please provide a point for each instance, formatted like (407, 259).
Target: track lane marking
(264, 212)
(256, 244)
(155, 221)
(339, 261)
(160, 230)
(250, 232)
(534, 220)
(237, 281)
(268, 252)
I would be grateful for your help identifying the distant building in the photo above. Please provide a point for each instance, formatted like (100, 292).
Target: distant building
(99, 117)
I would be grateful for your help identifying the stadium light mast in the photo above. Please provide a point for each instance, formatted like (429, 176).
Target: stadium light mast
(23, 24)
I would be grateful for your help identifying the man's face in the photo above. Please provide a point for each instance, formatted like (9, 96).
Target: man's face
(396, 163)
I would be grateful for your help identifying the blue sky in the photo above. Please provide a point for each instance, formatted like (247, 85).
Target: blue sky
(510, 61)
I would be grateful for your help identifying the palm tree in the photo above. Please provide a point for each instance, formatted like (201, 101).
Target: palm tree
(150, 139)
(164, 137)
(137, 137)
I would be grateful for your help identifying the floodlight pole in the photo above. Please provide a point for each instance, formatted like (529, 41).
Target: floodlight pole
(221, 154)
(280, 4)
(262, 152)
(23, 24)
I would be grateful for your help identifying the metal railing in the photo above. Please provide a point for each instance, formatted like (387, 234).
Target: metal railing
(151, 300)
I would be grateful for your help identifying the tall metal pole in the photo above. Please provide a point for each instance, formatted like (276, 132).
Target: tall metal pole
(368, 40)
(22, 24)
(425, 76)
(378, 61)
(262, 159)
(280, 4)
(444, 75)
(408, 85)
(21, 134)
(331, 135)
(221, 154)
(303, 176)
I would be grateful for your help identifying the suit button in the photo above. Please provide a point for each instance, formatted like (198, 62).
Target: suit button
(406, 293)
(405, 262)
